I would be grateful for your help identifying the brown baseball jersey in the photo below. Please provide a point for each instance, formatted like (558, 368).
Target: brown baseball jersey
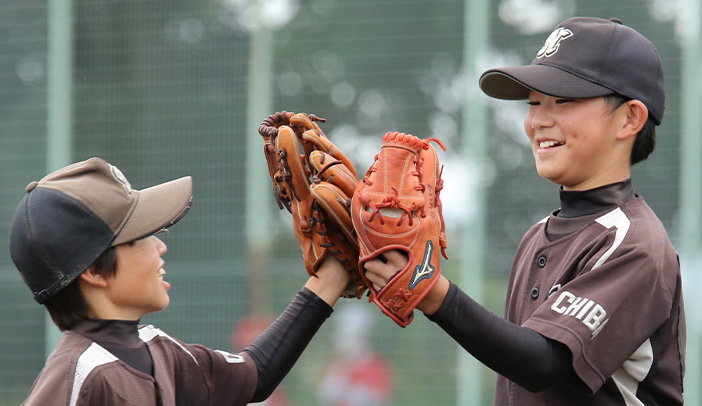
(184, 374)
(611, 292)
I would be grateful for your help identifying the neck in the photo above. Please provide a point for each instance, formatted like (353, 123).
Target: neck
(123, 332)
(608, 178)
(101, 307)
(584, 202)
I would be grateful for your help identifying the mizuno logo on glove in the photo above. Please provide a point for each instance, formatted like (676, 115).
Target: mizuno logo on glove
(424, 270)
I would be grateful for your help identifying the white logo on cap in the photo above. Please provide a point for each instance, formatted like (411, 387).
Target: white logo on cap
(554, 41)
(119, 176)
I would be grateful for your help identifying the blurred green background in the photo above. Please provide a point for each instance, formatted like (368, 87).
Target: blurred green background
(164, 89)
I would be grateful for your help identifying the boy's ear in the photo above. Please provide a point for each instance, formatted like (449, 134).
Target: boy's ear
(93, 278)
(636, 116)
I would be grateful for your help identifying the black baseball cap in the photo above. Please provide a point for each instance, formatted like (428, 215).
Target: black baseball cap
(587, 57)
(71, 216)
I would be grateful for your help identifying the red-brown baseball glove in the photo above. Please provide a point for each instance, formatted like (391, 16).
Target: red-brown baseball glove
(314, 181)
(397, 207)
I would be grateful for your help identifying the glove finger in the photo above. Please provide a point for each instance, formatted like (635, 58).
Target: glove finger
(314, 137)
(309, 132)
(269, 131)
(305, 122)
(296, 178)
(332, 170)
(335, 203)
(321, 142)
(431, 176)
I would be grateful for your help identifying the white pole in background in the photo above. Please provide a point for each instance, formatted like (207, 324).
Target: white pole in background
(59, 126)
(258, 185)
(475, 41)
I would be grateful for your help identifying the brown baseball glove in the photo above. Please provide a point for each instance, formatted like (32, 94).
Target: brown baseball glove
(314, 181)
(397, 207)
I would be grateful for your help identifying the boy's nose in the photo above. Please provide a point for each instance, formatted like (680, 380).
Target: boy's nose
(538, 120)
(162, 247)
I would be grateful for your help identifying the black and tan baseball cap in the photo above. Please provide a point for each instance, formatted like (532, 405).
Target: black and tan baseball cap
(71, 216)
(587, 57)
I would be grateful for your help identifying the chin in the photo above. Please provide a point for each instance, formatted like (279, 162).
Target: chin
(161, 305)
(166, 303)
(548, 177)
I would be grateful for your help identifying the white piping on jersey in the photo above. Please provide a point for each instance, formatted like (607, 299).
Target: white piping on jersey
(231, 358)
(91, 358)
(632, 372)
(615, 218)
(635, 369)
(148, 333)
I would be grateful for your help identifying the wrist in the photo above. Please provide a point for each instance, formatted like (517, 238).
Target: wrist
(328, 292)
(433, 300)
(330, 282)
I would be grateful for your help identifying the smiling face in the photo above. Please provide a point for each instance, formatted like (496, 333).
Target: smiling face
(137, 287)
(578, 143)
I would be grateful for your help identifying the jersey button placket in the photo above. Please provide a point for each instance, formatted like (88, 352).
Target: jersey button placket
(541, 263)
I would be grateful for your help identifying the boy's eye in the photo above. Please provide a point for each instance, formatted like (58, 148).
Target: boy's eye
(533, 103)
(563, 101)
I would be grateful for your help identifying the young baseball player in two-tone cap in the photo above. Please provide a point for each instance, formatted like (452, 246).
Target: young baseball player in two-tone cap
(594, 311)
(85, 242)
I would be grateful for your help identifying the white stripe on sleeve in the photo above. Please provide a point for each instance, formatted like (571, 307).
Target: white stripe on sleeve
(91, 358)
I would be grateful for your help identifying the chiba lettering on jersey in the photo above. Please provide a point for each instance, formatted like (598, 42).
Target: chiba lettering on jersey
(586, 310)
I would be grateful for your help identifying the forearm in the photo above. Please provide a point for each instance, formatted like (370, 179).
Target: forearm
(518, 353)
(277, 349)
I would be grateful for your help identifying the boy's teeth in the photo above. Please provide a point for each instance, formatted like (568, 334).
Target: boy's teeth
(547, 144)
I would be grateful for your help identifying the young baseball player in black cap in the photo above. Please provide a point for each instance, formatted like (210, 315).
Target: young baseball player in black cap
(85, 243)
(594, 310)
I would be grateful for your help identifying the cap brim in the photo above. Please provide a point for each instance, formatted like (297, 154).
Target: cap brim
(515, 83)
(158, 207)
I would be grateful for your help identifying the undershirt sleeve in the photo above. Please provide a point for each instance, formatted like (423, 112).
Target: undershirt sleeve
(522, 355)
(277, 349)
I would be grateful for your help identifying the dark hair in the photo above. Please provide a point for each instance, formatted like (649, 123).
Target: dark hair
(67, 307)
(646, 138)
